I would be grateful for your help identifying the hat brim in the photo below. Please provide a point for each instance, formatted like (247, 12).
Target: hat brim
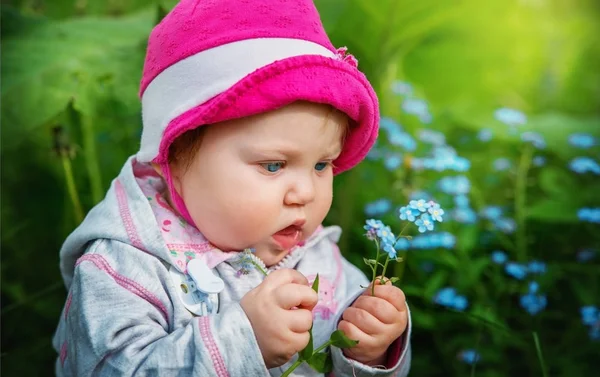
(310, 78)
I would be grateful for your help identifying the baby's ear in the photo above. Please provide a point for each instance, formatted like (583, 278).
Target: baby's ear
(158, 169)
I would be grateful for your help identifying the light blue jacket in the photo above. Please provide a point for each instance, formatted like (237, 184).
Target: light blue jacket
(125, 313)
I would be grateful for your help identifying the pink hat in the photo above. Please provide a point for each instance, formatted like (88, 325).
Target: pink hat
(213, 60)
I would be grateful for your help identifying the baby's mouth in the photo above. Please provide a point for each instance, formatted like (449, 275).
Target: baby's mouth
(290, 236)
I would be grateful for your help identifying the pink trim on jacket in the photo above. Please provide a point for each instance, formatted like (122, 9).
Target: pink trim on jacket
(126, 216)
(213, 349)
(125, 282)
(68, 304)
(63, 353)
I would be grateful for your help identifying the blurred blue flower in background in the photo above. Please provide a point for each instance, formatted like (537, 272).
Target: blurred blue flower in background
(433, 241)
(510, 117)
(591, 215)
(432, 137)
(539, 161)
(485, 135)
(469, 356)
(583, 165)
(378, 207)
(426, 266)
(582, 140)
(534, 138)
(392, 161)
(449, 298)
(516, 270)
(389, 124)
(455, 185)
(533, 302)
(590, 316)
(491, 212)
(419, 195)
(536, 267)
(461, 200)
(402, 244)
(501, 164)
(402, 88)
(585, 255)
(464, 215)
(506, 225)
(418, 107)
(499, 257)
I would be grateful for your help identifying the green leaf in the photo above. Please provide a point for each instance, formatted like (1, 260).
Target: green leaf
(370, 262)
(315, 284)
(394, 279)
(553, 211)
(63, 57)
(307, 352)
(340, 340)
(321, 362)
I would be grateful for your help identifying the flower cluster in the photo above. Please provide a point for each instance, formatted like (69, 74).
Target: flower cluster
(590, 316)
(378, 231)
(448, 297)
(422, 213)
(532, 301)
(591, 215)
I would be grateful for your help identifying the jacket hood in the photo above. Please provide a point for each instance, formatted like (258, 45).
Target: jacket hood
(124, 215)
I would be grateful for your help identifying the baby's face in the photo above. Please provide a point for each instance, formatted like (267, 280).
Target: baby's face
(264, 181)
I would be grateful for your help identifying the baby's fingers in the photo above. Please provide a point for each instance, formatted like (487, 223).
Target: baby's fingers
(379, 308)
(363, 320)
(391, 294)
(296, 295)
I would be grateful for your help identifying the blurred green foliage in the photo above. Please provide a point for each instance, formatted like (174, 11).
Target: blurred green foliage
(76, 65)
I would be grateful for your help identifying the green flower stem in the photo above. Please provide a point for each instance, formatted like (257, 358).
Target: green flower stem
(521, 202)
(540, 356)
(292, 367)
(258, 267)
(91, 157)
(78, 210)
(387, 260)
(375, 269)
(399, 270)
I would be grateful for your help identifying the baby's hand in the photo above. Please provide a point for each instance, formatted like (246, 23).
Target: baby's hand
(375, 321)
(279, 310)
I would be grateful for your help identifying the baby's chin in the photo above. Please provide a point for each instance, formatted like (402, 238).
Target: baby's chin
(270, 255)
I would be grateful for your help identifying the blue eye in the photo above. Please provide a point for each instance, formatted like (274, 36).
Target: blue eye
(320, 166)
(272, 167)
